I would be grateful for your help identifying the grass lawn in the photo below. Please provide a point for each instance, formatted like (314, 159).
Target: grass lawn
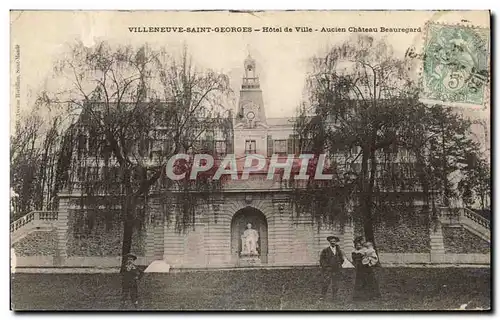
(288, 289)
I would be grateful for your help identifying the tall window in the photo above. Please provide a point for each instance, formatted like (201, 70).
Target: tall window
(220, 148)
(280, 147)
(92, 173)
(94, 144)
(143, 147)
(250, 147)
(81, 145)
(156, 150)
(81, 173)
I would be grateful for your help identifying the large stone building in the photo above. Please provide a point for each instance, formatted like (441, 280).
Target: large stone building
(215, 238)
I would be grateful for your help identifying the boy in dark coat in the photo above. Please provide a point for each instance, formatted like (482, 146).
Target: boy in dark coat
(331, 260)
(130, 276)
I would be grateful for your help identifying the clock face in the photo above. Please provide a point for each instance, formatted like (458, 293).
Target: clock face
(250, 115)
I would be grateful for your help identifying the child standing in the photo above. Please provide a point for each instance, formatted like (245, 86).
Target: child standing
(130, 276)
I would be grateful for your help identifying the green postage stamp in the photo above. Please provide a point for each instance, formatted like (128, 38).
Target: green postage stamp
(456, 64)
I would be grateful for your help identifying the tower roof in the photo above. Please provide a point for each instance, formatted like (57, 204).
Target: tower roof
(249, 61)
(249, 58)
(251, 104)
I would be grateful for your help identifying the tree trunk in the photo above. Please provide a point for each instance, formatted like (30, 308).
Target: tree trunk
(369, 195)
(128, 227)
(128, 209)
(366, 196)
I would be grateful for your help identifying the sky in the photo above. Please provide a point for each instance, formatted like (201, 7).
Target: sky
(282, 58)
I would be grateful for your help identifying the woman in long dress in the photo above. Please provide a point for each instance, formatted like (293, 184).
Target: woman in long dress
(366, 285)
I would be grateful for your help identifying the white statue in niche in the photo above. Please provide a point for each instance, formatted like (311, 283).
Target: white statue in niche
(249, 241)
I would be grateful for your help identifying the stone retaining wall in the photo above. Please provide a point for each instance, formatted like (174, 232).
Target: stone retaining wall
(408, 233)
(37, 243)
(459, 240)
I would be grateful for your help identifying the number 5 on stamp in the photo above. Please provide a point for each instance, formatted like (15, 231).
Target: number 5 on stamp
(455, 69)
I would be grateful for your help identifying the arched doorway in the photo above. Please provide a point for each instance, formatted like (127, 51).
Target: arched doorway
(238, 225)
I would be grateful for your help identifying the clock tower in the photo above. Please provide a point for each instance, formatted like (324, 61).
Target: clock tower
(251, 112)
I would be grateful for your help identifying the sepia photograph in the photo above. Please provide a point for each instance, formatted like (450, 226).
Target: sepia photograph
(250, 160)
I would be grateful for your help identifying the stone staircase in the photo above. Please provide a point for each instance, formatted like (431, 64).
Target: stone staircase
(468, 219)
(31, 222)
(436, 239)
(456, 217)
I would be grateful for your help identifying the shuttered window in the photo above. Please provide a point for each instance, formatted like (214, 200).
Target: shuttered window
(270, 147)
(293, 144)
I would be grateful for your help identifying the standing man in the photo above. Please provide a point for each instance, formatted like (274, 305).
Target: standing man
(331, 260)
(130, 276)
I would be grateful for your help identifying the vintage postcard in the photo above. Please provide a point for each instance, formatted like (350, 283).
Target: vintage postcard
(258, 160)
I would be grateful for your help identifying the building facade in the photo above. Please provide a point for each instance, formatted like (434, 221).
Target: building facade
(217, 237)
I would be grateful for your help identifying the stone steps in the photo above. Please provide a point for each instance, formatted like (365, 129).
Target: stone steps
(436, 240)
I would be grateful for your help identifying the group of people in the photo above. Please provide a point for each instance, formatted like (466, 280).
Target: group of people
(364, 258)
(332, 259)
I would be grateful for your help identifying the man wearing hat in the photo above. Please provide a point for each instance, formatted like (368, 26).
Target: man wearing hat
(331, 260)
(130, 275)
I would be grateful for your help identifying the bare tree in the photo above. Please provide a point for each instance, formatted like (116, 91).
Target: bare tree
(135, 108)
(33, 152)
